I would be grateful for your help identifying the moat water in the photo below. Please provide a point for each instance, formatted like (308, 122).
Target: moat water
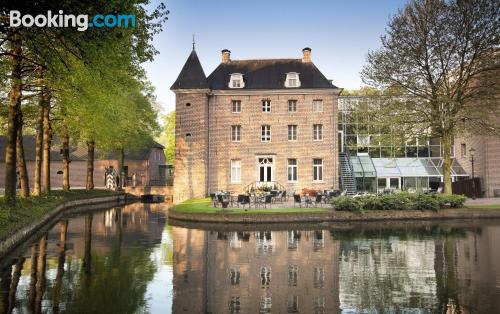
(130, 260)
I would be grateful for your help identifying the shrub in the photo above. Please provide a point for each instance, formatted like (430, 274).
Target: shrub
(454, 201)
(347, 203)
(371, 202)
(399, 201)
(426, 202)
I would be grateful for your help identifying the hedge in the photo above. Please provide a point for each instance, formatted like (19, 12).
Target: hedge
(398, 201)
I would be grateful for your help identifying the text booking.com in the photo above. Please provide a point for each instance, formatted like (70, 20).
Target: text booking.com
(81, 22)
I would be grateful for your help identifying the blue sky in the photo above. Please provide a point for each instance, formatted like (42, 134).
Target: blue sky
(340, 34)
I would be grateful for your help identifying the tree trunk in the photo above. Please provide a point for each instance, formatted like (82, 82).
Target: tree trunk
(47, 142)
(121, 170)
(63, 231)
(87, 235)
(15, 282)
(90, 165)
(13, 120)
(40, 282)
(33, 277)
(39, 141)
(446, 163)
(21, 162)
(65, 161)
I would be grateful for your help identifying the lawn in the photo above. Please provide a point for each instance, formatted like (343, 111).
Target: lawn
(13, 218)
(493, 206)
(204, 205)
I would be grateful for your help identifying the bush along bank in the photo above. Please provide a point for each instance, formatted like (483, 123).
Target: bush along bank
(399, 201)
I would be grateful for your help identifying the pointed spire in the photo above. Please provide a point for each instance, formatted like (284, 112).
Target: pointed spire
(192, 75)
(193, 41)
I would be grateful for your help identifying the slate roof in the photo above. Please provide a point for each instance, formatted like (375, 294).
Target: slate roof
(268, 74)
(192, 75)
(76, 153)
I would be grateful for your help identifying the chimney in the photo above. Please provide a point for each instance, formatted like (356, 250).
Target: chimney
(226, 56)
(306, 54)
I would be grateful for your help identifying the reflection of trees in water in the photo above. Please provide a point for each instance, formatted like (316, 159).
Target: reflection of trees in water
(113, 282)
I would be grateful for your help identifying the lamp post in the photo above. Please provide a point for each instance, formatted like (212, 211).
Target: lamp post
(471, 153)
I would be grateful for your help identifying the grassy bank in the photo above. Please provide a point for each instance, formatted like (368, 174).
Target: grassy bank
(204, 205)
(12, 218)
(491, 206)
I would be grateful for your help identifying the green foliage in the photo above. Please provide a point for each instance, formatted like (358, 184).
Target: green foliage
(452, 200)
(399, 201)
(347, 203)
(167, 137)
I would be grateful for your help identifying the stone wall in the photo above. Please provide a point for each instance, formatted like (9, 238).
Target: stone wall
(191, 142)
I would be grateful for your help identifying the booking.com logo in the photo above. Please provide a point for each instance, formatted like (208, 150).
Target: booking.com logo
(69, 20)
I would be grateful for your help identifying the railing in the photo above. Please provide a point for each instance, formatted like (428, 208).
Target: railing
(169, 181)
(345, 162)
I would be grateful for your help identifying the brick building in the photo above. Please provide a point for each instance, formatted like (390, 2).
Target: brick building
(261, 122)
(486, 160)
(147, 163)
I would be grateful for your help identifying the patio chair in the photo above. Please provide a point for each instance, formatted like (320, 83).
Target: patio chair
(213, 197)
(222, 201)
(279, 197)
(318, 199)
(283, 197)
(268, 200)
(243, 200)
(298, 199)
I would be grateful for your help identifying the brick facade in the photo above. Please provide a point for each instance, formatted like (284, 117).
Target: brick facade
(486, 160)
(204, 149)
(250, 147)
(191, 143)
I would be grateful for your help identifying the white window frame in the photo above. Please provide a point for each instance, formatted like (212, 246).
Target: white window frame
(236, 106)
(292, 132)
(292, 80)
(235, 133)
(317, 105)
(265, 133)
(266, 105)
(292, 169)
(292, 103)
(235, 171)
(236, 81)
(317, 132)
(318, 170)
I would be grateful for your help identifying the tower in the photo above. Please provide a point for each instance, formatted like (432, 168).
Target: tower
(191, 131)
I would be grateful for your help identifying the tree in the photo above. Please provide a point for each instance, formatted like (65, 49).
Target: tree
(167, 137)
(443, 56)
(53, 50)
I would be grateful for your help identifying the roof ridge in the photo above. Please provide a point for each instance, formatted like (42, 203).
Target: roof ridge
(266, 59)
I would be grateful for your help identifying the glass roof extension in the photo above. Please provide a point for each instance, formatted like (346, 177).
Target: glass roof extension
(365, 166)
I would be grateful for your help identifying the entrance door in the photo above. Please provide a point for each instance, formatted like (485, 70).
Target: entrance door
(265, 169)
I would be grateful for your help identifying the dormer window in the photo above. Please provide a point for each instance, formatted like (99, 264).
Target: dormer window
(236, 81)
(292, 80)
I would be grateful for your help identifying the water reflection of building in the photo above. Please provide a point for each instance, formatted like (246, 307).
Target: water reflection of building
(387, 273)
(477, 268)
(255, 272)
